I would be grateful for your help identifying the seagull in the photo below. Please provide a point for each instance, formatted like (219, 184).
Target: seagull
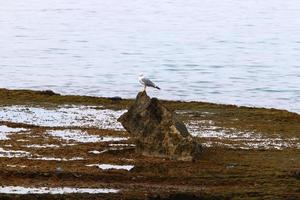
(146, 82)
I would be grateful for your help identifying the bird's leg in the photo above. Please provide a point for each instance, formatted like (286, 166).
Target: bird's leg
(144, 88)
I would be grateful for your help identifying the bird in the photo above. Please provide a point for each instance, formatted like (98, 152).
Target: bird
(146, 82)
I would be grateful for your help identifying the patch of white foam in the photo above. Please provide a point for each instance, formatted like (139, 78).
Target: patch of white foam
(82, 136)
(63, 116)
(5, 131)
(233, 138)
(46, 190)
(109, 166)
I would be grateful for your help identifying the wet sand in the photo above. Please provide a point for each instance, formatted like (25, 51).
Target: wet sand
(250, 153)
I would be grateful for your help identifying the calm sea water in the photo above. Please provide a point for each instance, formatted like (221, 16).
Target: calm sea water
(229, 51)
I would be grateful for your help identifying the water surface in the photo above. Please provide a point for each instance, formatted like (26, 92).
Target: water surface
(229, 51)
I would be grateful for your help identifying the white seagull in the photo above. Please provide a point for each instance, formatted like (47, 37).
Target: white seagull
(146, 82)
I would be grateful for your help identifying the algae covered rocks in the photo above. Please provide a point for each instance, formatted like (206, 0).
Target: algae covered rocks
(158, 131)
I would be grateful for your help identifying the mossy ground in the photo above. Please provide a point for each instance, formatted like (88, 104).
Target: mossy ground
(221, 173)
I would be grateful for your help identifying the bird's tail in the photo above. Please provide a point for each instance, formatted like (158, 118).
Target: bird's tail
(157, 87)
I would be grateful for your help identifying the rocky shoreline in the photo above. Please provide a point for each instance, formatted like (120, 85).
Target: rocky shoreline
(249, 153)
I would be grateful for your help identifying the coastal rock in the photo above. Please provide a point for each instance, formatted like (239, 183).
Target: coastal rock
(47, 92)
(158, 131)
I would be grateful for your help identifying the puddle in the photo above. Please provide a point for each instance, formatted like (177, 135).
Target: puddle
(82, 136)
(37, 146)
(24, 154)
(13, 154)
(121, 145)
(117, 148)
(109, 166)
(5, 131)
(22, 140)
(56, 159)
(233, 138)
(98, 152)
(63, 116)
(15, 166)
(207, 129)
(46, 190)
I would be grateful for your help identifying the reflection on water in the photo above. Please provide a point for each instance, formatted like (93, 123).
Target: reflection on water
(238, 52)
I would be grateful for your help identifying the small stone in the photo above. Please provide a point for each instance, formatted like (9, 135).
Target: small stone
(48, 92)
(58, 170)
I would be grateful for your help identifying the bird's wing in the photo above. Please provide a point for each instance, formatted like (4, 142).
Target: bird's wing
(147, 82)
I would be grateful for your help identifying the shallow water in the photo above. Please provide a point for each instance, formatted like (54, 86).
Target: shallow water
(91, 116)
(233, 138)
(229, 51)
(63, 116)
(47, 190)
(82, 137)
(110, 166)
(5, 131)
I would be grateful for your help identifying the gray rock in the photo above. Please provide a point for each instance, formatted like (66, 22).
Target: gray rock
(158, 131)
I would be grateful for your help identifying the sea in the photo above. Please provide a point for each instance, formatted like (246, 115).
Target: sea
(243, 52)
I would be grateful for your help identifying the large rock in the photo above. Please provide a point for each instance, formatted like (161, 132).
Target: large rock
(158, 131)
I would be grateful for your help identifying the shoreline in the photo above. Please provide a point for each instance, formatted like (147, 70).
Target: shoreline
(16, 96)
(268, 121)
